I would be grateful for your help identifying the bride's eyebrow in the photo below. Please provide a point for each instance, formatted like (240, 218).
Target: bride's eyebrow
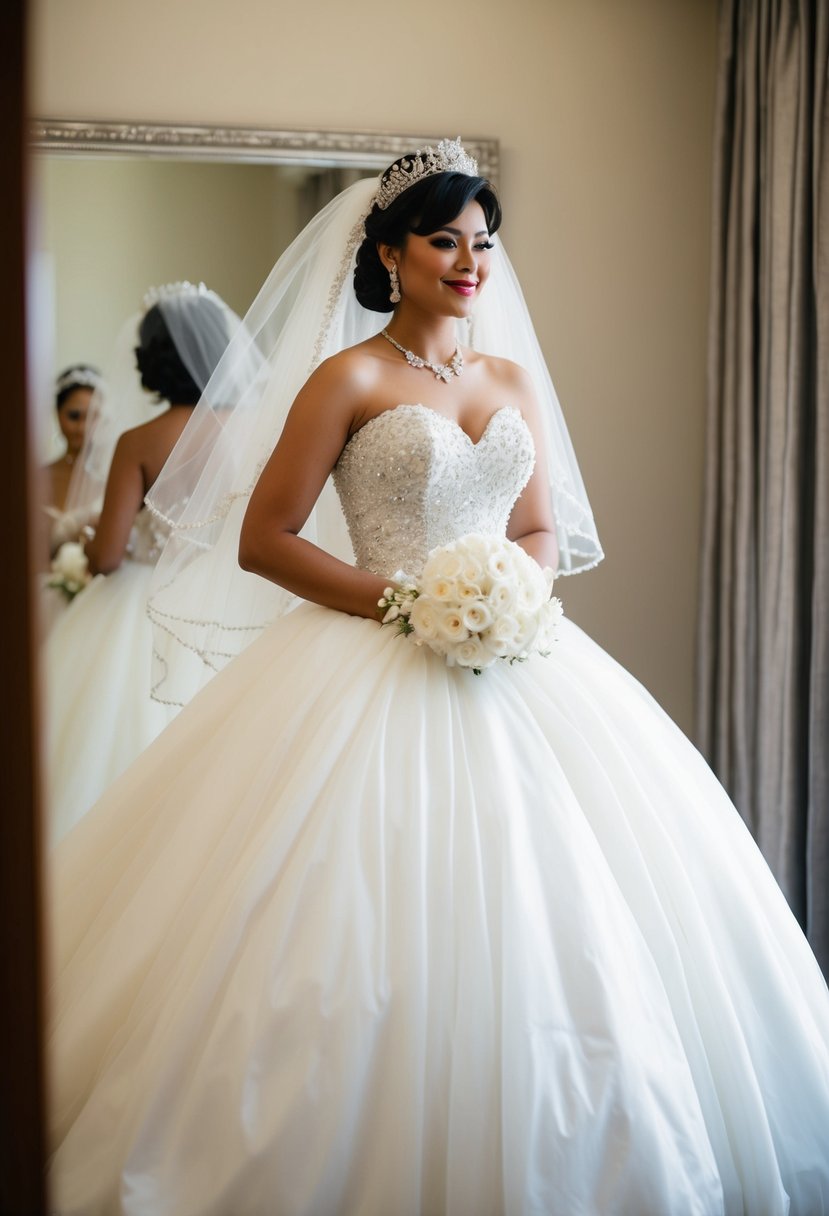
(457, 231)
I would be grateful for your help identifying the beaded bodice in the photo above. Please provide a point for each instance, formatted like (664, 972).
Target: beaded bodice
(411, 479)
(147, 537)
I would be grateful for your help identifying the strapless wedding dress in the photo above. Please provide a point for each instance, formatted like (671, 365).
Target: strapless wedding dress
(97, 660)
(364, 935)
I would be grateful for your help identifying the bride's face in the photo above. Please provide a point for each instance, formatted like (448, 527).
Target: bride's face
(72, 417)
(445, 271)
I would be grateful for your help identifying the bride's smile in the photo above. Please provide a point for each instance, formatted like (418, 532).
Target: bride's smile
(445, 271)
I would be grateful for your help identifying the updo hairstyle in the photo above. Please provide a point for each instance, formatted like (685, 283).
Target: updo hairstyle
(72, 378)
(162, 370)
(423, 208)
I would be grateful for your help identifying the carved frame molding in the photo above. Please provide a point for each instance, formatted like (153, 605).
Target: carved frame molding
(258, 145)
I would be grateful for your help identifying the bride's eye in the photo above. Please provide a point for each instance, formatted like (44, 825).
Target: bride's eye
(443, 242)
(485, 245)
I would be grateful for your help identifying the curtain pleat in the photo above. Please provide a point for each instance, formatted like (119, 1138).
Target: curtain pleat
(763, 653)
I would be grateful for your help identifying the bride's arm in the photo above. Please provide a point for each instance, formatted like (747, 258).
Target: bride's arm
(532, 523)
(315, 432)
(122, 501)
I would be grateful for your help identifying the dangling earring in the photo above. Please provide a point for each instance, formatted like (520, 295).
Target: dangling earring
(394, 298)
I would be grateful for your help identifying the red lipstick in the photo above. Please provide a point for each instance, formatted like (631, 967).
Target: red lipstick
(463, 287)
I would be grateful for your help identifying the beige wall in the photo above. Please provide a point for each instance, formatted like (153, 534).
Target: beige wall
(114, 227)
(604, 113)
(110, 228)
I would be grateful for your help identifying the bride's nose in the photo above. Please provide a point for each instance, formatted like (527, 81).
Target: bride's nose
(466, 259)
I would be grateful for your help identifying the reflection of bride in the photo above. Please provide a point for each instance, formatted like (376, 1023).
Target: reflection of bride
(74, 388)
(366, 933)
(98, 655)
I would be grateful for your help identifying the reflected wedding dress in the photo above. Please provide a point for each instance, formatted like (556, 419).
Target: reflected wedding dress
(364, 935)
(98, 712)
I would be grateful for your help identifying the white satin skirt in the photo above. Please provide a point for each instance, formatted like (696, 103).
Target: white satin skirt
(98, 714)
(362, 935)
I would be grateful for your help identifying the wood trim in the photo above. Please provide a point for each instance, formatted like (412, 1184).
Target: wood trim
(22, 1106)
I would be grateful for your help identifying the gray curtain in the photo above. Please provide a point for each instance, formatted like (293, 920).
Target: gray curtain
(763, 653)
(320, 186)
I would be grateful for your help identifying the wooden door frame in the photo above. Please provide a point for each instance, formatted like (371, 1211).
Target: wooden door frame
(22, 1087)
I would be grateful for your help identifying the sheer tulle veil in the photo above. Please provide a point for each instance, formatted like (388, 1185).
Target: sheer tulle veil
(204, 607)
(201, 325)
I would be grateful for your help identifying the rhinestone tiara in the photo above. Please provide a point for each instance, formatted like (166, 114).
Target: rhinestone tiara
(78, 377)
(167, 291)
(448, 157)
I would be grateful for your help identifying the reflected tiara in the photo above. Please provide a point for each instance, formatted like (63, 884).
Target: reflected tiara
(167, 291)
(78, 377)
(448, 157)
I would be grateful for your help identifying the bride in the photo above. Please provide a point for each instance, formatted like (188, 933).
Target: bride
(97, 657)
(364, 932)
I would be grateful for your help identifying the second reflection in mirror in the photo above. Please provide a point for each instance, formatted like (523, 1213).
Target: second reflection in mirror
(100, 713)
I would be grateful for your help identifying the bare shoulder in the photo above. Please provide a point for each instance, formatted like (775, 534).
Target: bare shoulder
(149, 444)
(338, 388)
(505, 372)
(327, 405)
(357, 368)
(147, 433)
(507, 381)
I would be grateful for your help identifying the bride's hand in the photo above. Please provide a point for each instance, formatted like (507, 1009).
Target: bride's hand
(316, 431)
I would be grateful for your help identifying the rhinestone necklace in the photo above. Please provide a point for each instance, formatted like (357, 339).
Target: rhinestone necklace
(443, 371)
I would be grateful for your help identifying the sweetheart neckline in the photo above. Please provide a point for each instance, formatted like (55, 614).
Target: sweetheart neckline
(417, 405)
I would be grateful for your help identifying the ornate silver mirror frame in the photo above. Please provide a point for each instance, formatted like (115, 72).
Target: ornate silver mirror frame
(258, 145)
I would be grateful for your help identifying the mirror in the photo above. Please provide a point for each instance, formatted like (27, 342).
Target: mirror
(122, 207)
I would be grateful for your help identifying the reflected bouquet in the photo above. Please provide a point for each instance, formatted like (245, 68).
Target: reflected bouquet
(479, 598)
(70, 569)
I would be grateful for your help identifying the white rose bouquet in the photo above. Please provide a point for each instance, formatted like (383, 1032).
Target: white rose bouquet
(70, 569)
(480, 598)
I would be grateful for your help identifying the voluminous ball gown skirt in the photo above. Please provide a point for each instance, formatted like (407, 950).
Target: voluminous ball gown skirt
(98, 711)
(364, 934)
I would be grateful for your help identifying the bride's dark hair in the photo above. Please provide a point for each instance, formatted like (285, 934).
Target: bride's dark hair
(423, 208)
(160, 364)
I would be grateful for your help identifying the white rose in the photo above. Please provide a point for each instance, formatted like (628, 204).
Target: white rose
(531, 595)
(469, 591)
(548, 626)
(501, 597)
(70, 561)
(476, 616)
(451, 626)
(500, 565)
(503, 633)
(472, 569)
(472, 653)
(477, 545)
(442, 563)
(527, 629)
(440, 588)
(424, 619)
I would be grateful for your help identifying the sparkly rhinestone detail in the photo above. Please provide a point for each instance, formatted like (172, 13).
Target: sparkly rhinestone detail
(335, 292)
(78, 377)
(168, 290)
(411, 479)
(147, 538)
(394, 285)
(448, 157)
(443, 371)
